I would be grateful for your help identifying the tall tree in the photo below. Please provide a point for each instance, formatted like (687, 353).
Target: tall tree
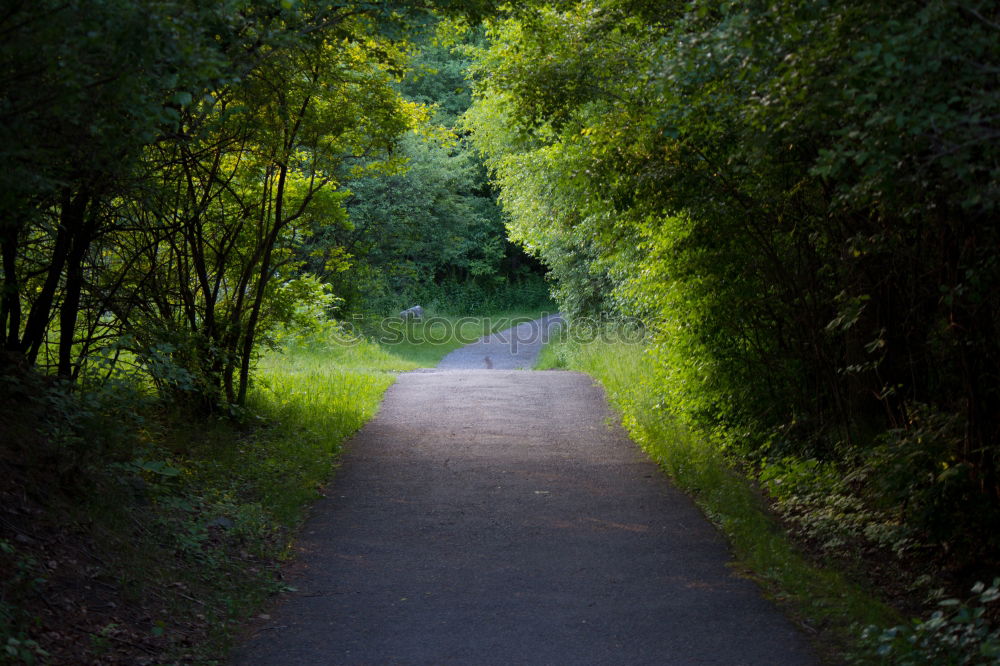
(429, 231)
(166, 158)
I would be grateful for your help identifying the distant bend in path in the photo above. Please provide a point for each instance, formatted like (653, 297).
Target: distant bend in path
(515, 348)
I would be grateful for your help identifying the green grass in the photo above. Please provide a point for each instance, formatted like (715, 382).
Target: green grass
(312, 400)
(555, 354)
(256, 474)
(819, 598)
(259, 476)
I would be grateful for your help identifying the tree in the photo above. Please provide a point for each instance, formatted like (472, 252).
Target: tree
(801, 197)
(166, 159)
(260, 171)
(427, 230)
(86, 86)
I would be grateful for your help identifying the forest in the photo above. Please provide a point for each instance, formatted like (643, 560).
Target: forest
(799, 202)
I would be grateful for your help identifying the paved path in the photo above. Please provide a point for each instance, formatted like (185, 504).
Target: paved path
(513, 349)
(495, 517)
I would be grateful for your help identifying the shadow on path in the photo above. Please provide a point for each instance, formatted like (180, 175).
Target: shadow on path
(495, 517)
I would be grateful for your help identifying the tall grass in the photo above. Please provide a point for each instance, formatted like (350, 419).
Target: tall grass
(311, 400)
(819, 598)
(226, 496)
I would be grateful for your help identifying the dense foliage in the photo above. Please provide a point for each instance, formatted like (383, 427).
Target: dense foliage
(176, 181)
(801, 200)
(430, 233)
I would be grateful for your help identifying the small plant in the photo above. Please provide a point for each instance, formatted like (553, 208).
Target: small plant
(959, 633)
(25, 650)
(100, 642)
(922, 472)
(820, 506)
(22, 580)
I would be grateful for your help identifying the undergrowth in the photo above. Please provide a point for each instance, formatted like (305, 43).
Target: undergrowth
(178, 523)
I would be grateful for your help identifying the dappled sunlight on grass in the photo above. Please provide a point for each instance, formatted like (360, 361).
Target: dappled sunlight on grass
(311, 398)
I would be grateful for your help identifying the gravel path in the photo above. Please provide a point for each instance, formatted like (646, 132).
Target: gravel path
(497, 517)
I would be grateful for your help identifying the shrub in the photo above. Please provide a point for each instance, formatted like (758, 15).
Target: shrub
(956, 634)
(921, 471)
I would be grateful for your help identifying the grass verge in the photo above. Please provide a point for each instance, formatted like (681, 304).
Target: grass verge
(139, 535)
(824, 602)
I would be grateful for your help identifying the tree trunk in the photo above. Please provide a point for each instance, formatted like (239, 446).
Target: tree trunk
(70, 221)
(249, 335)
(73, 286)
(10, 298)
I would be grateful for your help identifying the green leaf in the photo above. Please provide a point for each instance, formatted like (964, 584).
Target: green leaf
(156, 467)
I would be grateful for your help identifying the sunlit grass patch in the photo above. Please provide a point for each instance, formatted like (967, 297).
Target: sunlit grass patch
(554, 355)
(310, 405)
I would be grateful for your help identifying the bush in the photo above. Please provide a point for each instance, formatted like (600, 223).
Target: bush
(919, 471)
(468, 297)
(820, 506)
(957, 634)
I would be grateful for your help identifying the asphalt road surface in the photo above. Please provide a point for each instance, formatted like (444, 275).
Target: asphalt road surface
(501, 517)
(513, 349)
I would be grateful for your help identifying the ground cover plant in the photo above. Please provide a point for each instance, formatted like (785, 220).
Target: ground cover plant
(157, 550)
